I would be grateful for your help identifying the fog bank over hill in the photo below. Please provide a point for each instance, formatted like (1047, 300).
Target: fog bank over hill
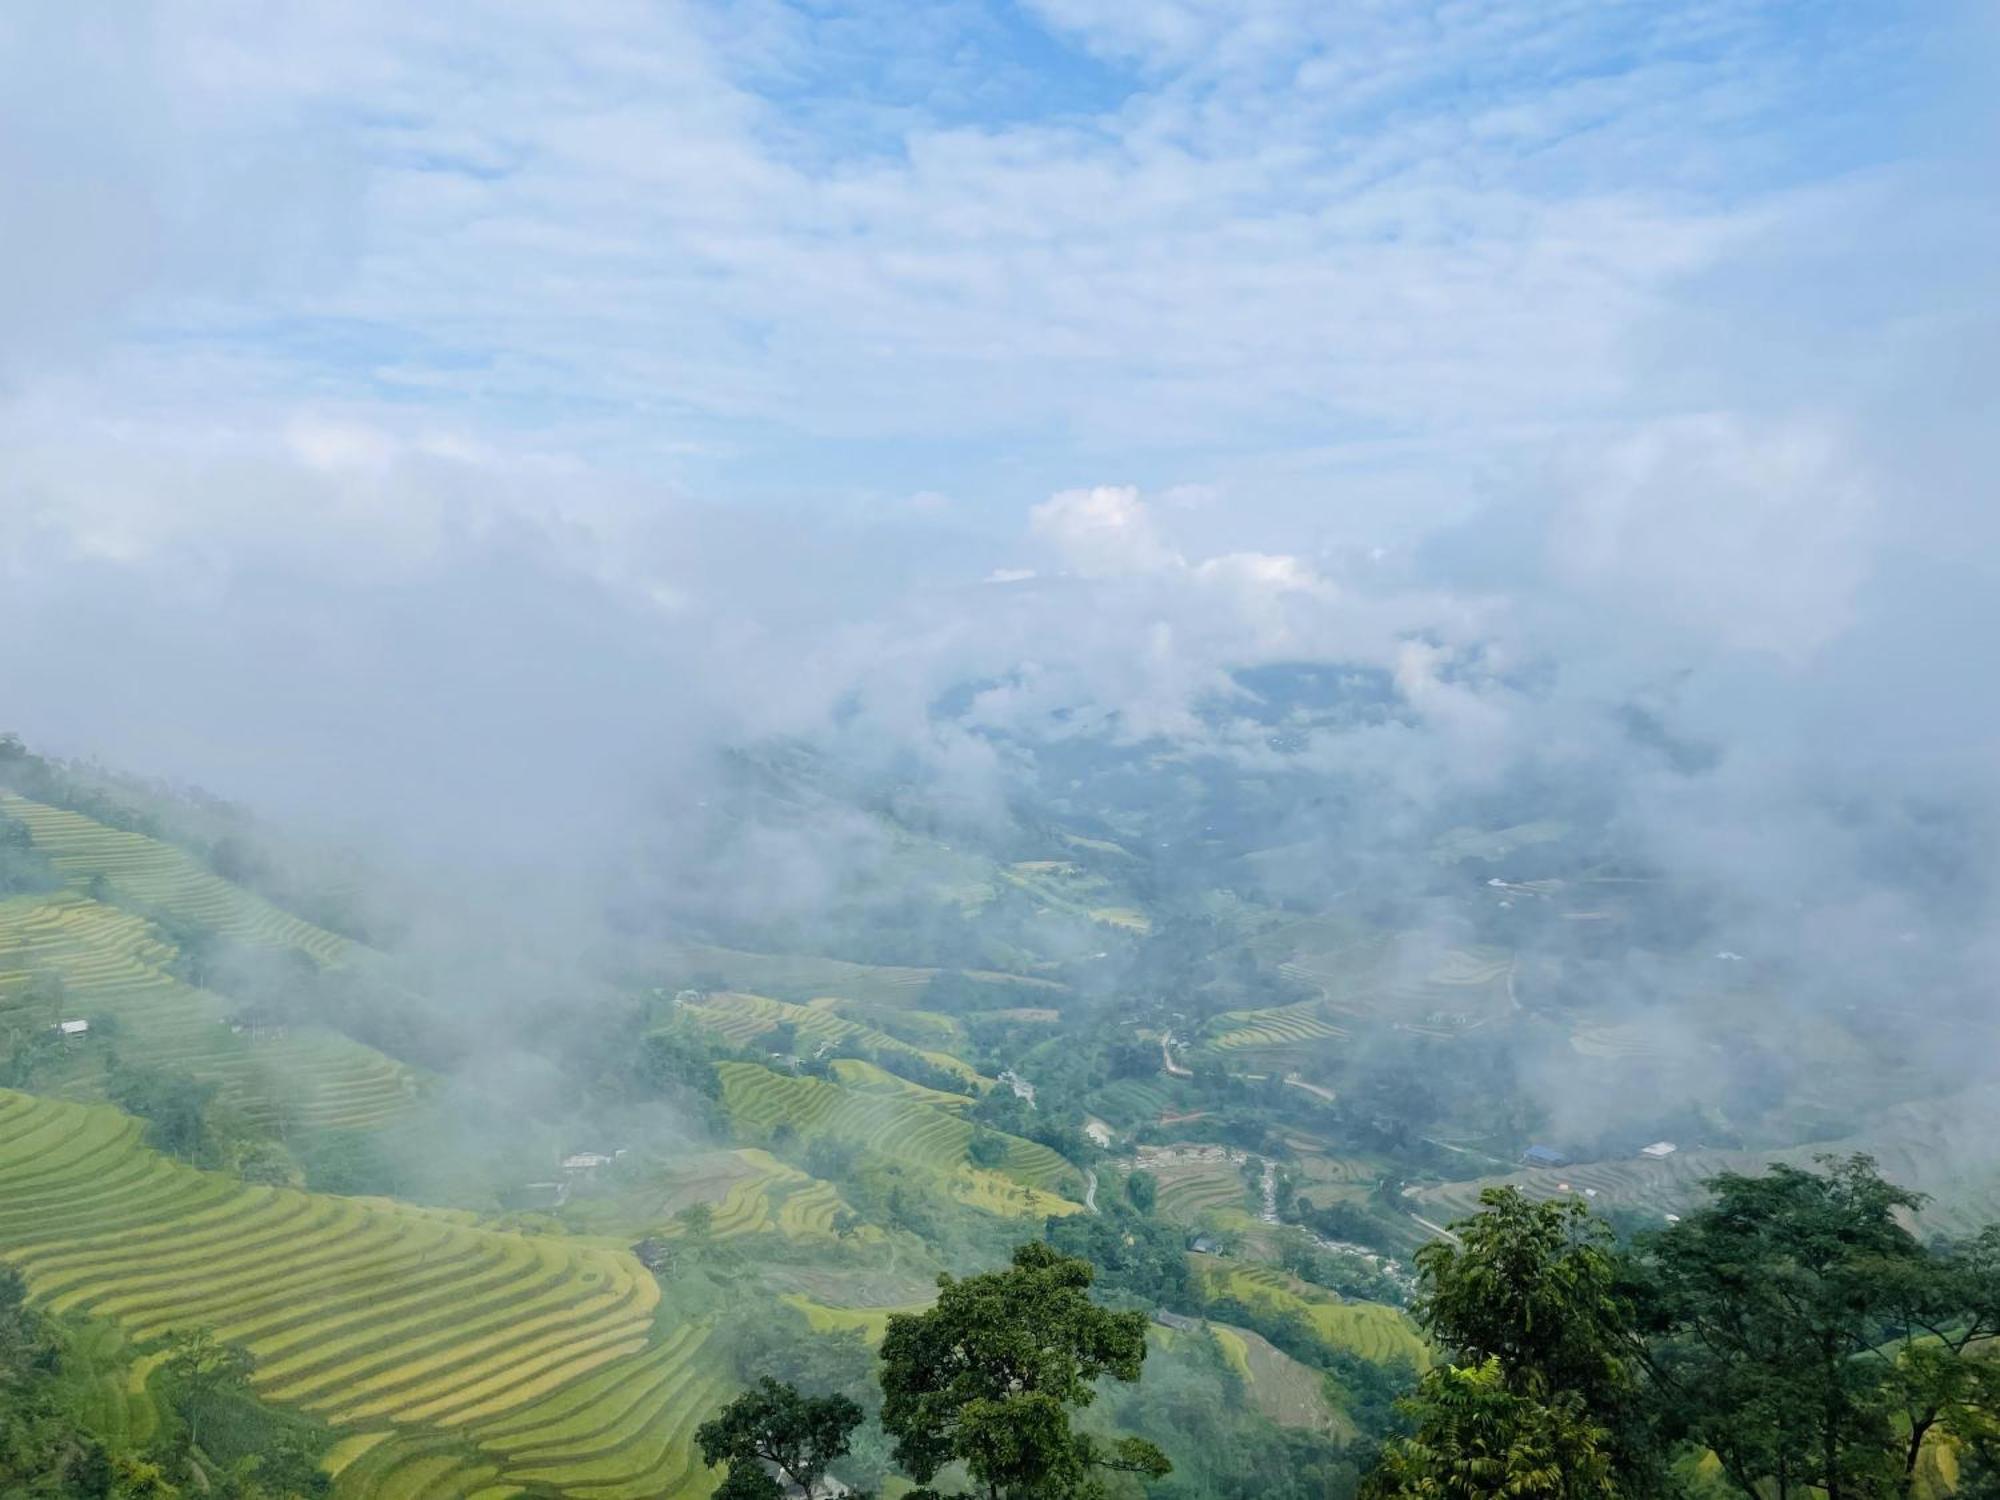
(489, 478)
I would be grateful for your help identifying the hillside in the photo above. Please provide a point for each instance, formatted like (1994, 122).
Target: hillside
(524, 1248)
(427, 1343)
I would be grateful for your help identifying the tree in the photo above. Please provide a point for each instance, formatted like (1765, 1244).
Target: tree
(1532, 1291)
(696, 1220)
(986, 1149)
(176, 1109)
(989, 1375)
(1143, 1190)
(1947, 1305)
(203, 1367)
(773, 1424)
(133, 1478)
(1777, 1305)
(287, 1470)
(1533, 1285)
(1477, 1438)
(1972, 1422)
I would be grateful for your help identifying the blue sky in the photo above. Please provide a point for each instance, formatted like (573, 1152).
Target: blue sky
(851, 254)
(1639, 337)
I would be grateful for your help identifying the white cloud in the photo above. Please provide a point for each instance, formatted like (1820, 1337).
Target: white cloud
(1314, 223)
(1745, 538)
(1102, 531)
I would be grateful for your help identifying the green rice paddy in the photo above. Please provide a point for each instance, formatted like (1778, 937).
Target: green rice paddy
(462, 1360)
(741, 1019)
(109, 963)
(1026, 1180)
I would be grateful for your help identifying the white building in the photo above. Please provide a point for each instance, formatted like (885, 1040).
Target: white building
(1659, 1149)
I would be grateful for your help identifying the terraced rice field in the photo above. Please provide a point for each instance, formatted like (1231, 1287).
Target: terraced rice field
(702, 1177)
(499, 1360)
(1132, 1101)
(740, 1019)
(106, 1379)
(1326, 1178)
(801, 975)
(865, 1078)
(111, 964)
(1025, 1181)
(1274, 1027)
(1615, 1042)
(1375, 976)
(1187, 1193)
(1373, 1330)
(807, 976)
(1128, 917)
(1326, 952)
(1462, 988)
(1291, 1394)
(1489, 844)
(1664, 1187)
(1939, 1146)
(1066, 887)
(920, 1028)
(160, 875)
(872, 1322)
(752, 1192)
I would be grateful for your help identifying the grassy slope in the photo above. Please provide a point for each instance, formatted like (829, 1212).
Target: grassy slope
(807, 975)
(740, 1018)
(1934, 1146)
(1372, 1330)
(473, 1343)
(1290, 1393)
(110, 962)
(1027, 1181)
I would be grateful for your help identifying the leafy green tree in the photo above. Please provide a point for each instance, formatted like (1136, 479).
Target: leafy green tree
(986, 1149)
(23, 867)
(1535, 1286)
(203, 1367)
(1133, 1254)
(1142, 1190)
(1947, 1308)
(133, 1478)
(287, 1471)
(1478, 1438)
(772, 1424)
(1972, 1424)
(176, 1109)
(1533, 1293)
(43, 1453)
(1778, 1303)
(988, 1377)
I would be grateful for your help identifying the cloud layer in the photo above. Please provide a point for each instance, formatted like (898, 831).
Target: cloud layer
(413, 411)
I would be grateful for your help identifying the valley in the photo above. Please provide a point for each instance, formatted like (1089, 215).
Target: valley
(271, 1134)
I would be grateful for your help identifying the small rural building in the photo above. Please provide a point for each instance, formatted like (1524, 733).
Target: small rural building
(1176, 1321)
(1659, 1149)
(585, 1163)
(72, 1029)
(1544, 1156)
